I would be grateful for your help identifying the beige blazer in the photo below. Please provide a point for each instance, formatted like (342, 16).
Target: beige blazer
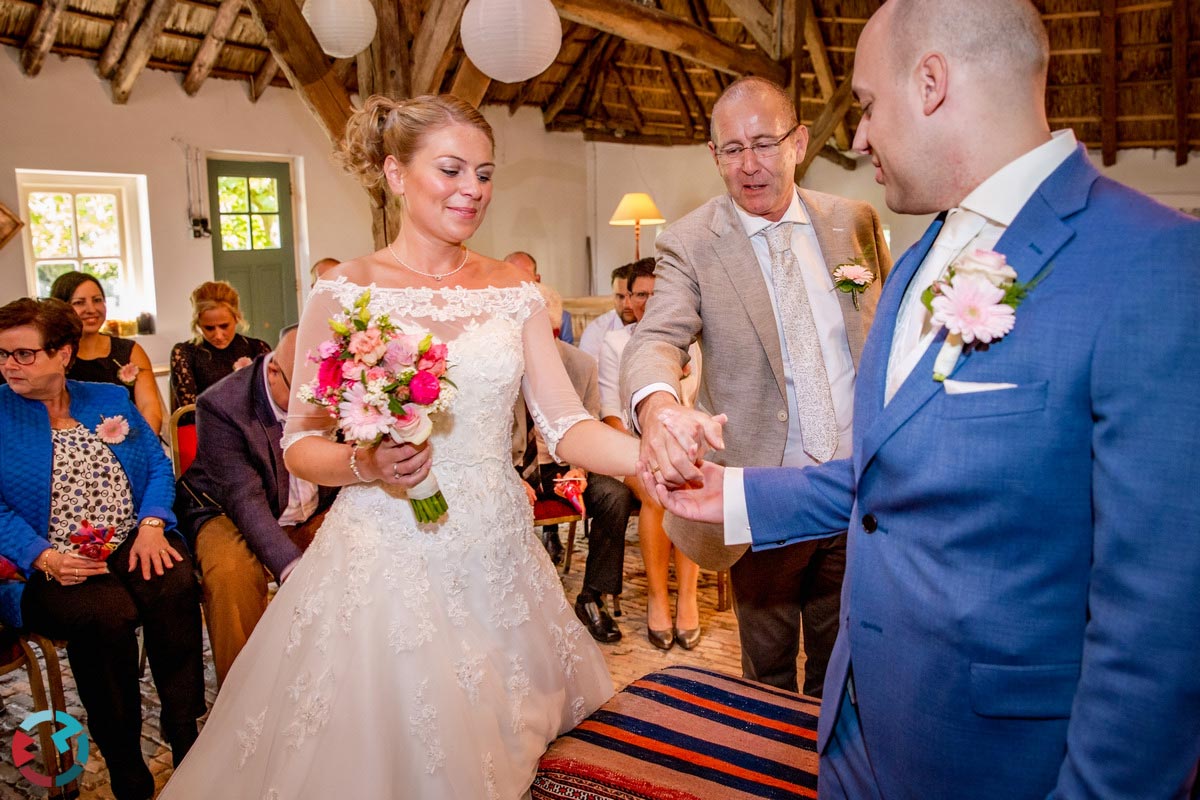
(710, 287)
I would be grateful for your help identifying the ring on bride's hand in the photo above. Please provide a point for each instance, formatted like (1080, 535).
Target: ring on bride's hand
(395, 472)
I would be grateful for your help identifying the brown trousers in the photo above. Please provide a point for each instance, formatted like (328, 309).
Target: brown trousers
(233, 584)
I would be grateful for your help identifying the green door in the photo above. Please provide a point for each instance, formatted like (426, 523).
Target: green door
(251, 207)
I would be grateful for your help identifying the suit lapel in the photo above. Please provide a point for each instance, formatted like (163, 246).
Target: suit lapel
(272, 433)
(733, 250)
(837, 247)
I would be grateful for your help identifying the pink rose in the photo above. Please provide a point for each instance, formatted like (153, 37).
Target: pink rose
(414, 426)
(128, 373)
(328, 349)
(424, 387)
(401, 352)
(351, 369)
(986, 264)
(367, 345)
(242, 363)
(376, 373)
(434, 360)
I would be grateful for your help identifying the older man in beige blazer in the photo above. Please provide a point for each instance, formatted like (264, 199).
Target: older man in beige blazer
(754, 275)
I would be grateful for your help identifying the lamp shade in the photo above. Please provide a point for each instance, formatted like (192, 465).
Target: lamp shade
(511, 40)
(344, 28)
(636, 208)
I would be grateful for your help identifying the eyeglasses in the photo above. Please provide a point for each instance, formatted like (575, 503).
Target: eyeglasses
(23, 355)
(763, 150)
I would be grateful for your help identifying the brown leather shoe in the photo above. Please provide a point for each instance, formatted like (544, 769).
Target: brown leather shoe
(687, 639)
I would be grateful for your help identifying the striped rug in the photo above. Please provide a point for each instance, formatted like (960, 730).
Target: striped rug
(687, 734)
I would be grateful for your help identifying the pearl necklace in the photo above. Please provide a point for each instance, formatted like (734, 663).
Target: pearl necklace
(435, 276)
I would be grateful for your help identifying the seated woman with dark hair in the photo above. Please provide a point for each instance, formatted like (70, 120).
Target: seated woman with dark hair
(103, 358)
(84, 479)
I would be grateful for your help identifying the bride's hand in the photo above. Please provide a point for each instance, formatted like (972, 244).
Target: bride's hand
(403, 465)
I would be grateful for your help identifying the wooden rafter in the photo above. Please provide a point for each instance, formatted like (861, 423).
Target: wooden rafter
(815, 43)
(1179, 78)
(262, 79)
(210, 49)
(469, 82)
(833, 113)
(593, 91)
(307, 68)
(526, 91)
(685, 81)
(42, 36)
(638, 122)
(1108, 81)
(799, 14)
(567, 86)
(119, 38)
(141, 46)
(435, 36)
(758, 22)
(654, 28)
(698, 11)
(391, 51)
(676, 92)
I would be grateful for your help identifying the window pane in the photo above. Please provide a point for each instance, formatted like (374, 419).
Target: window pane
(235, 232)
(108, 270)
(232, 195)
(265, 228)
(52, 224)
(264, 195)
(47, 271)
(98, 231)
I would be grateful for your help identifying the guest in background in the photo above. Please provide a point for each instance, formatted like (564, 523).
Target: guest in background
(217, 349)
(237, 502)
(108, 359)
(526, 262)
(319, 269)
(652, 537)
(78, 464)
(620, 315)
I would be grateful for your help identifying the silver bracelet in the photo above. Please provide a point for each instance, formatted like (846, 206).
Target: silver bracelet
(354, 463)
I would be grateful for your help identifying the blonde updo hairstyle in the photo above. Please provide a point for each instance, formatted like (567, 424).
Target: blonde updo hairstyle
(211, 296)
(384, 127)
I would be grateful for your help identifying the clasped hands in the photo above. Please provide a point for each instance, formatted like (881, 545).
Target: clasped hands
(670, 463)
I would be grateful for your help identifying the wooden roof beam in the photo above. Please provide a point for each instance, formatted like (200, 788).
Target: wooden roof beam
(820, 58)
(833, 113)
(676, 92)
(210, 49)
(526, 91)
(41, 36)
(469, 82)
(1179, 73)
(436, 35)
(654, 28)
(758, 22)
(593, 90)
(390, 53)
(567, 86)
(1108, 82)
(262, 79)
(639, 121)
(119, 37)
(307, 68)
(141, 47)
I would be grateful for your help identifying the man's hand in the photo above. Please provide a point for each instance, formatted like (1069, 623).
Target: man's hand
(673, 439)
(702, 501)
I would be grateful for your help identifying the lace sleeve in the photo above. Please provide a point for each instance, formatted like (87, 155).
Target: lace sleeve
(183, 381)
(305, 419)
(549, 393)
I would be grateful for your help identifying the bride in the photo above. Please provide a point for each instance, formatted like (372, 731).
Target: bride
(415, 660)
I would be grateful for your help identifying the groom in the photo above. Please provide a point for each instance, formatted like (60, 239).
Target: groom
(1020, 616)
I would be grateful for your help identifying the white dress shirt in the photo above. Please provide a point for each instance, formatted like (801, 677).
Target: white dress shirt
(997, 201)
(302, 494)
(594, 333)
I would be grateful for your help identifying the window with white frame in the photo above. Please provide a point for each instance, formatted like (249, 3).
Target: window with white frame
(94, 222)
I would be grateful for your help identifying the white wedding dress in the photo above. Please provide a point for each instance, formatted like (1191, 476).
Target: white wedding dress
(416, 661)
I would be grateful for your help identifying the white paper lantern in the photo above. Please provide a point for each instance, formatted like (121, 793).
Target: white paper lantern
(511, 40)
(344, 28)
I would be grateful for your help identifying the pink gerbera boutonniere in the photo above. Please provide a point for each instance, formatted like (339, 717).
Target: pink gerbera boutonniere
(977, 304)
(244, 361)
(112, 430)
(853, 278)
(128, 373)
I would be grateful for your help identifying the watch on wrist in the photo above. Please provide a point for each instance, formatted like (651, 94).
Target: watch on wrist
(153, 522)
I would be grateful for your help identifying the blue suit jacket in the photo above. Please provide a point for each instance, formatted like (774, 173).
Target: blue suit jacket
(1024, 620)
(27, 457)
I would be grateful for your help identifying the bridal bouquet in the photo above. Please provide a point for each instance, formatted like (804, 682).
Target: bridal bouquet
(377, 379)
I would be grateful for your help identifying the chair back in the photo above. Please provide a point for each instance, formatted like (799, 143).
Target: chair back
(182, 429)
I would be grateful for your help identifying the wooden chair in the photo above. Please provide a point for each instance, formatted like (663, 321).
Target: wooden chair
(181, 428)
(555, 512)
(17, 651)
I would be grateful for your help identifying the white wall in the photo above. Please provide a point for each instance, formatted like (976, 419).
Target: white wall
(64, 120)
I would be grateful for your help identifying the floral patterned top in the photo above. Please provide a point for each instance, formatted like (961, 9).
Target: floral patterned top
(88, 484)
(195, 367)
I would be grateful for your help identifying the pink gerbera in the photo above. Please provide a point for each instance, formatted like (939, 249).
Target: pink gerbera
(361, 420)
(112, 430)
(973, 308)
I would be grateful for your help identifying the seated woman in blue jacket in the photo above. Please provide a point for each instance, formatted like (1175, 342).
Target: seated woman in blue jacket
(79, 466)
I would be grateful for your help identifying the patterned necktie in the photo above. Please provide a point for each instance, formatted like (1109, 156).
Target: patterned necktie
(802, 345)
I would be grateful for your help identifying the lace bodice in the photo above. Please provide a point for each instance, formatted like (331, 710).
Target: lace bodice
(499, 341)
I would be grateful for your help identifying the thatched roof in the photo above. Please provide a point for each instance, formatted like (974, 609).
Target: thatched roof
(1123, 73)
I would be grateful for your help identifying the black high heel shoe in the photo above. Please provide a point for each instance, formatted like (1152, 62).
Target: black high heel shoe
(663, 640)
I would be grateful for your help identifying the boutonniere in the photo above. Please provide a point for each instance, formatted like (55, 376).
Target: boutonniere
(128, 373)
(242, 362)
(112, 430)
(977, 303)
(853, 278)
